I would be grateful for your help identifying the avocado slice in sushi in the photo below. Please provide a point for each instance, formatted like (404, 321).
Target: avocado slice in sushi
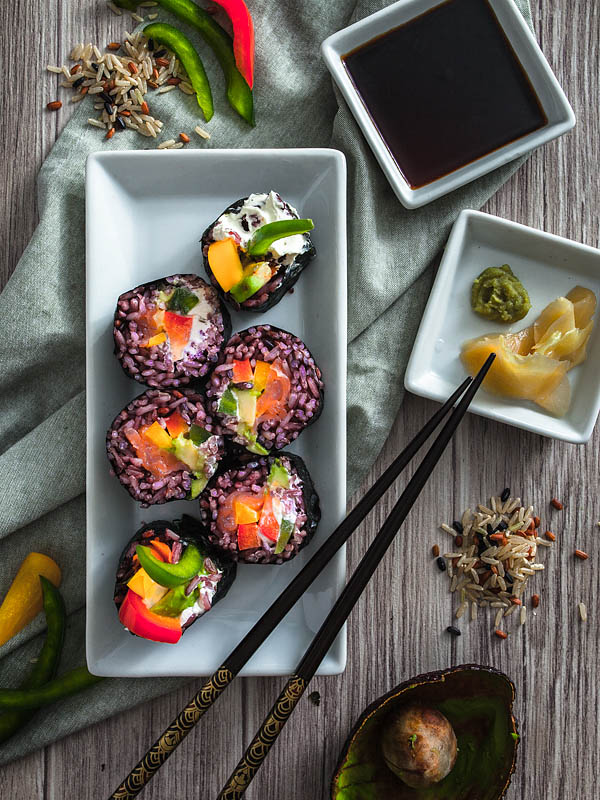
(248, 276)
(478, 704)
(167, 578)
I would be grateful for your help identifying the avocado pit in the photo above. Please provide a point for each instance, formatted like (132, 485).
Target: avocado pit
(419, 745)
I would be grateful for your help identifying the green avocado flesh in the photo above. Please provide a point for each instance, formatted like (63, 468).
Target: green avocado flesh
(251, 283)
(499, 295)
(171, 575)
(278, 475)
(477, 703)
(174, 602)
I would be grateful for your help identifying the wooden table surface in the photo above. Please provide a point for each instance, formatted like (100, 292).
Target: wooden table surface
(397, 629)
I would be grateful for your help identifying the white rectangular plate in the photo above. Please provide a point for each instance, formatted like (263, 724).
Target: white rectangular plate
(145, 214)
(548, 266)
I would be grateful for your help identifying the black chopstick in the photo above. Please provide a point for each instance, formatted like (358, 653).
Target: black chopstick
(285, 704)
(218, 682)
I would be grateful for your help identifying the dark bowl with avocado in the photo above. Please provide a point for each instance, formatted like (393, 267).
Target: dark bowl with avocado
(167, 578)
(476, 701)
(256, 250)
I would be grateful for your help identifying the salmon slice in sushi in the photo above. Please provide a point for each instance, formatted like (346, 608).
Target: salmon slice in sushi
(164, 446)
(256, 250)
(267, 390)
(171, 331)
(262, 511)
(167, 579)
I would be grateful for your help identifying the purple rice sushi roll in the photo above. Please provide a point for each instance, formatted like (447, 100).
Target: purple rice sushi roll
(164, 446)
(256, 250)
(171, 331)
(267, 390)
(167, 579)
(261, 511)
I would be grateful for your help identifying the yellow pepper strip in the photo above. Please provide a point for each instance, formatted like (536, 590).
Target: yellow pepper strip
(158, 339)
(23, 600)
(156, 434)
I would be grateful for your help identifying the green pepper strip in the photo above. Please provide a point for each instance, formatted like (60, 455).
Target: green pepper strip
(267, 234)
(239, 93)
(71, 682)
(178, 42)
(45, 667)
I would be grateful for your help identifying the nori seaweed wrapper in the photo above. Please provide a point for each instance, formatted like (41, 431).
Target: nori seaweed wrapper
(279, 284)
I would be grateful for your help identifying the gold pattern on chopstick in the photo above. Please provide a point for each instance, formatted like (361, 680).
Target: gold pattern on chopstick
(174, 735)
(264, 739)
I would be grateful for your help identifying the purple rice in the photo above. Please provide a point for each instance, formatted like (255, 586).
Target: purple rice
(250, 475)
(305, 402)
(148, 407)
(154, 365)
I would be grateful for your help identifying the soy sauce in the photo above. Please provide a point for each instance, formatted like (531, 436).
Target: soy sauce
(444, 89)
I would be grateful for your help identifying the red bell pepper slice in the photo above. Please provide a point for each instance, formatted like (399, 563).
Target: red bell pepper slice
(248, 536)
(176, 424)
(270, 518)
(178, 330)
(243, 37)
(242, 371)
(140, 620)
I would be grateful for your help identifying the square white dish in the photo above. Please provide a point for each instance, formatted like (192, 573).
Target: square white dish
(555, 104)
(145, 214)
(548, 266)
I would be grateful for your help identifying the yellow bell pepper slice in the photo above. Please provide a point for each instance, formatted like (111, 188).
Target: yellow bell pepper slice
(244, 515)
(149, 590)
(158, 339)
(261, 373)
(224, 261)
(23, 601)
(156, 434)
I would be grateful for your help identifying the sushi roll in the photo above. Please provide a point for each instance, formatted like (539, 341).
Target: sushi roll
(267, 390)
(171, 331)
(255, 251)
(164, 446)
(261, 511)
(166, 579)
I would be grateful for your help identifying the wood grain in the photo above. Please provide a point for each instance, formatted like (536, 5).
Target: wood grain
(397, 628)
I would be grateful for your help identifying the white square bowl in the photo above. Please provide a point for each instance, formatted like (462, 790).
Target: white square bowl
(145, 214)
(552, 98)
(548, 266)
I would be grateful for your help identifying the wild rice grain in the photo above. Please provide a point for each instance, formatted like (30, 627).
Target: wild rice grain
(56, 70)
(500, 634)
(165, 89)
(115, 9)
(137, 17)
(523, 615)
(96, 123)
(582, 612)
(580, 554)
(556, 504)
(54, 105)
(535, 600)
(166, 144)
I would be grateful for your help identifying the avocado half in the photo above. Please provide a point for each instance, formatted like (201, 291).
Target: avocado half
(477, 701)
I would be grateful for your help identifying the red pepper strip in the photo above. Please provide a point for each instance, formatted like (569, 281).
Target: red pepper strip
(243, 37)
(140, 620)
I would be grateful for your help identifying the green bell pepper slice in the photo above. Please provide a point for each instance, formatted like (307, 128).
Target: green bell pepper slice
(182, 301)
(171, 575)
(239, 93)
(178, 42)
(264, 237)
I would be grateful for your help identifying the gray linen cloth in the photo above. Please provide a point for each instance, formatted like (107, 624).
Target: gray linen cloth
(42, 318)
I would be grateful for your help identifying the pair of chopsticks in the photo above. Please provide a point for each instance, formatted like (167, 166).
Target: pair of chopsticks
(296, 685)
